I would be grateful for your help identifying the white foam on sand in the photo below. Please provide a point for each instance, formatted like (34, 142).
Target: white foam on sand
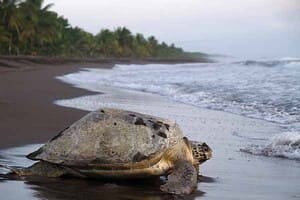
(284, 145)
(260, 89)
(16, 156)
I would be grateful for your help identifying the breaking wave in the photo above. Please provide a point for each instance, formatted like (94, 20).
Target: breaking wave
(272, 63)
(242, 88)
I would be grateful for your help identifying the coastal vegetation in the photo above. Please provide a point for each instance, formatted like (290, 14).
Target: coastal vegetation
(29, 27)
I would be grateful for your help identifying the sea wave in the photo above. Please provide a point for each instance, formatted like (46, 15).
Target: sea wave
(285, 145)
(243, 88)
(271, 63)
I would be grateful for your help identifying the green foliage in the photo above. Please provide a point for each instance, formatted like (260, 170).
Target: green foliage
(29, 28)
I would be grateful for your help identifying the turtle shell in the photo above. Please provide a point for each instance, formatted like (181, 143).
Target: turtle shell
(110, 136)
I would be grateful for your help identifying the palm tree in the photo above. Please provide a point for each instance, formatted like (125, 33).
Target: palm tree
(152, 45)
(4, 35)
(125, 40)
(124, 36)
(41, 25)
(140, 48)
(11, 21)
(4, 39)
(152, 41)
(28, 26)
(108, 43)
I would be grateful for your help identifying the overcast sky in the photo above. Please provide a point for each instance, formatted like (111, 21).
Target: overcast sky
(244, 28)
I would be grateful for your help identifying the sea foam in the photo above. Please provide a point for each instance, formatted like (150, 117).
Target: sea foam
(285, 145)
(247, 88)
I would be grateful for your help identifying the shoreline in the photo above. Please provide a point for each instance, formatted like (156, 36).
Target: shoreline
(28, 114)
(22, 63)
(28, 89)
(230, 174)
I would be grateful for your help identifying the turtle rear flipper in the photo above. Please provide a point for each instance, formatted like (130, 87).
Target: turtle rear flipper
(12, 169)
(182, 180)
(14, 172)
(46, 169)
(37, 169)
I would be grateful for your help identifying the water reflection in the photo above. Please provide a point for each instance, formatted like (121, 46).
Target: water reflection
(73, 189)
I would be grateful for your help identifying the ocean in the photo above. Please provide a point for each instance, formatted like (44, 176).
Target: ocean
(262, 89)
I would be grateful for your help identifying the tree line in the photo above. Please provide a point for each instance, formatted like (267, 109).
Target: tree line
(29, 27)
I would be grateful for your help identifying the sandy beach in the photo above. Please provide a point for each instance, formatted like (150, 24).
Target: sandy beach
(27, 112)
(29, 116)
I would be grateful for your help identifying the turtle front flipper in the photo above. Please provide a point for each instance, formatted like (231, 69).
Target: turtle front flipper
(182, 180)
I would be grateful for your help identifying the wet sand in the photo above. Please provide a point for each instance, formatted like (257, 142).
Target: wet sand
(27, 112)
(231, 174)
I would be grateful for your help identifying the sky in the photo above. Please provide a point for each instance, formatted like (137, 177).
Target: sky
(240, 28)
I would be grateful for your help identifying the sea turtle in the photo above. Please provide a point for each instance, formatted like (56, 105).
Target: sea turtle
(114, 143)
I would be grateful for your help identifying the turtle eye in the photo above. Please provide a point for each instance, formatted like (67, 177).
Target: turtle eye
(205, 147)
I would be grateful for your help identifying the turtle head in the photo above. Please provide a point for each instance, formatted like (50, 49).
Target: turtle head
(201, 152)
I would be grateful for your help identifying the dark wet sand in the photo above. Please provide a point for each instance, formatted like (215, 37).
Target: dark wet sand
(28, 114)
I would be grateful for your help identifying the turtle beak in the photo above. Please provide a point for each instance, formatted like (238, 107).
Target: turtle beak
(207, 150)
